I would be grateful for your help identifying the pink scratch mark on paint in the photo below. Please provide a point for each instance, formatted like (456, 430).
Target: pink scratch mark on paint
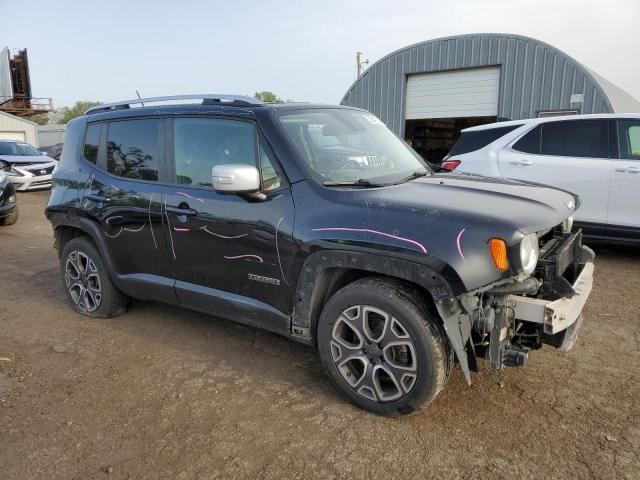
(458, 242)
(189, 196)
(136, 229)
(238, 257)
(113, 236)
(153, 235)
(278, 251)
(179, 229)
(375, 232)
(232, 237)
(173, 250)
(115, 217)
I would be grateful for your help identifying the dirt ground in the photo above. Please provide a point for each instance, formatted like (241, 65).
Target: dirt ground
(167, 393)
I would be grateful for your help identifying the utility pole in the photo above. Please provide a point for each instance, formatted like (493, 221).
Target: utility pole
(360, 63)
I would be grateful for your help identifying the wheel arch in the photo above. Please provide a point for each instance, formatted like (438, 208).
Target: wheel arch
(64, 231)
(325, 272)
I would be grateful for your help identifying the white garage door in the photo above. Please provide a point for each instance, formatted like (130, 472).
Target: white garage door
(460, 93)
(12, 136)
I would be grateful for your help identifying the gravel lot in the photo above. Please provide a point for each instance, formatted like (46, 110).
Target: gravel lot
(167, 393)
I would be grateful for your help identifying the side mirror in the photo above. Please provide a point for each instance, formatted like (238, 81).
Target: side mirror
(235, 178)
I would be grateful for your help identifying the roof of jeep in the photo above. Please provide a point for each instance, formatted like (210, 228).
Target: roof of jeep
(198, 108)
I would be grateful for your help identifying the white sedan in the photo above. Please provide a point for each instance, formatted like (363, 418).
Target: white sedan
(28, 168)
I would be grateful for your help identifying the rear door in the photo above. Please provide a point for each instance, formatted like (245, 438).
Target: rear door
(568, 154)
(623, 219)
(226, 247)
(124, 196)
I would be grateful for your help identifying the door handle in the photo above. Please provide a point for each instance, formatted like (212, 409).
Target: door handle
(633, 170)
(187, 212)
(97, 198)
(524, 163)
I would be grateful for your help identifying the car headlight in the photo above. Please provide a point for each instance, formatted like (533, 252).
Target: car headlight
(567, 224)
(529, 251)
(3, 176)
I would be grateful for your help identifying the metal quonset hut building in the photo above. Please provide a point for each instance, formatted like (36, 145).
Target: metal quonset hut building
(429, 91)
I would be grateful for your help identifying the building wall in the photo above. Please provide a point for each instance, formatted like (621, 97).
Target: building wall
(11, 123)
(51, 134)
(534, 76)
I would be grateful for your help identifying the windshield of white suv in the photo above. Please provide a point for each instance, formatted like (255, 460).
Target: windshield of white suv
(19, 149)
(347, 146)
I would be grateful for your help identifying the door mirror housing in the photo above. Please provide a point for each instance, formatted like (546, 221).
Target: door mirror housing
(235, 178)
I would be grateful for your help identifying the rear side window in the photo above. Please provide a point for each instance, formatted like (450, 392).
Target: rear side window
(629, 139)
(576, 138)
(133, 149)
(475, 140)
(91, 142)
(530, 142)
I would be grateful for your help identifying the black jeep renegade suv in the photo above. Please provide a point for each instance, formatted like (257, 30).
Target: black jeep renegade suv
(318, 223)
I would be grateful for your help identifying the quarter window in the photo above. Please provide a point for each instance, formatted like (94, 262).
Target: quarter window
(477, 139)
(91, 142)
(629, 139)
(576, 138)
(202, 143)
(530, 142)
(133, 149)
(270, 176)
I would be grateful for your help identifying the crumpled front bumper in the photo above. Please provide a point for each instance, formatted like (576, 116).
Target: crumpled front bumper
(556, 315)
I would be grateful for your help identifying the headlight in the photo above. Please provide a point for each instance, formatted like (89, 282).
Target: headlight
(567, 224)
(529, 253)
(3, 176)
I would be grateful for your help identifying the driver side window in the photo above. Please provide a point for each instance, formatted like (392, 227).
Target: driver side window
(203, 143)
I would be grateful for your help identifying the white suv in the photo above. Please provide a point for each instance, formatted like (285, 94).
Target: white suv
(595, 156)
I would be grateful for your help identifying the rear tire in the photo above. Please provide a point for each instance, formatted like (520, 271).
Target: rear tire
(86, 281)
(11, 218)
(383, 347)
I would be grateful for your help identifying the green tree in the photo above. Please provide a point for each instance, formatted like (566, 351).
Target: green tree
(69, 113)
(268, 97)
(40, 119)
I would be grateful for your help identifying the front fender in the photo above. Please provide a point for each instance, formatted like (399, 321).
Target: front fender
(438, 279)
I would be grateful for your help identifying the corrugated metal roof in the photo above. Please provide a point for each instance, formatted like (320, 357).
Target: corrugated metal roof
(534, 76)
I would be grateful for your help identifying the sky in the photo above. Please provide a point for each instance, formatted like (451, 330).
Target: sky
(301, 50)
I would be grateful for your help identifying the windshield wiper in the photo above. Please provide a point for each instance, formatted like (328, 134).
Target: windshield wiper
(414, 175)
(353, 183)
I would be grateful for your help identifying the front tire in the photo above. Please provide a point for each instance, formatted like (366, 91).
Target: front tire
(11, 218)
(87, 284)
(382, 346)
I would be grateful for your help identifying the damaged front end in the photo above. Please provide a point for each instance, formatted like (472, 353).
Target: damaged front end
(503, 323)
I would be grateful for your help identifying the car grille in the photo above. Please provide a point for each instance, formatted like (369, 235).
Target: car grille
(41, 171)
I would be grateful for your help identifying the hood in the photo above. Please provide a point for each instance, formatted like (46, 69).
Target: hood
(26, 159)
(522, 206)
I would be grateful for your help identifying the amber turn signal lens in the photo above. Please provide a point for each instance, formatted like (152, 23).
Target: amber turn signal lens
(499, 253)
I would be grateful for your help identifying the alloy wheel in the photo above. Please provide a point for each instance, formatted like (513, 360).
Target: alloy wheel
(82, 281)
(374, 353)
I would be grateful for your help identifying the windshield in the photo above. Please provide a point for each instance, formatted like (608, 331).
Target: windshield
(19, 149)
(348, 146)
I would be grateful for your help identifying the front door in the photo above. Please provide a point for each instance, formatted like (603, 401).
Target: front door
(223, 245)
(569, 154)
(623, 219)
